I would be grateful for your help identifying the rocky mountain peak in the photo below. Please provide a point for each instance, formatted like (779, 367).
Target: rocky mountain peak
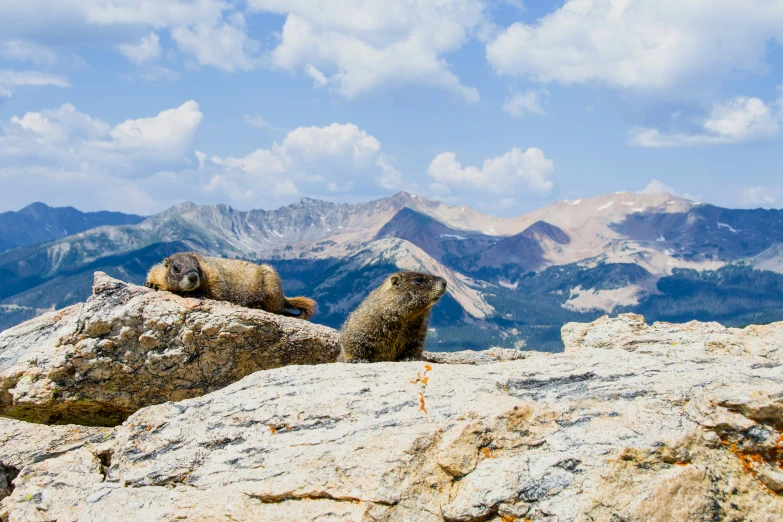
(177, 209)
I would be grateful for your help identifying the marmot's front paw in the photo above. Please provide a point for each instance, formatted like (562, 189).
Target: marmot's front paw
(151, 285)
(357, 361)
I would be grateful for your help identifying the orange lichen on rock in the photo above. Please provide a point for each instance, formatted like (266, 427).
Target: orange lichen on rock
(421, 404)
(422, 378)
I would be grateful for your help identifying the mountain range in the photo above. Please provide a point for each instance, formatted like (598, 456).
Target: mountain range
(37, 223)
(512, 282)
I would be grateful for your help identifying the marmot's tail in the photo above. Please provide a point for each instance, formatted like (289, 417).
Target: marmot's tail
(305, 305)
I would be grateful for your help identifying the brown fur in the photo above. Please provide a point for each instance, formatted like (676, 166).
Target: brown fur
(391, 323)
(240, 282)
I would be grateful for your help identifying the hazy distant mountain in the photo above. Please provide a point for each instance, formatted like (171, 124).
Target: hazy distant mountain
(512, 282)
(38, 223)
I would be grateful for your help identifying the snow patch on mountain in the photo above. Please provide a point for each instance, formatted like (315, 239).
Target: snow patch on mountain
(583, 300)
(729, 227)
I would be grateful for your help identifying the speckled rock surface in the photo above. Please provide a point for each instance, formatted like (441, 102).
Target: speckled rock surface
(493, 355)
(128, 347)
(595, 434)
(630, 332)
(48, 471)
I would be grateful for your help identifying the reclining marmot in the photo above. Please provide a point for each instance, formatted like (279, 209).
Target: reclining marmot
(239, 282)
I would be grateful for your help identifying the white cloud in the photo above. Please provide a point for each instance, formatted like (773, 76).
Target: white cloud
(66, 139)
(27, 51)
(66, 157)
(317, 76)
(146, 50)
(201, 157)
(213, 32)
(153, 13)
(162, 138)
(740, 120)
(640, 44)
(756, 196)
(310, 160)
(522, 103)
(516, 173)
(63, 156)
(225, 46)
(352, 46)
(10, 80)
(255, 120)
(440, 188)
(389, 177)
(656, 187)
(361, 45)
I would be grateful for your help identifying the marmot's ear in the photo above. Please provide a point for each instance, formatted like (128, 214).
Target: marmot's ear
(395, 280)
(166, 263)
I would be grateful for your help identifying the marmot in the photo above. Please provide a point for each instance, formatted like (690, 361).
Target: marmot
(239, 282)
(391, 323)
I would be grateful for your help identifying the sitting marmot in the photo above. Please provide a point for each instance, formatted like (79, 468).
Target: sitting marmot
(239, 282)
(391, 323)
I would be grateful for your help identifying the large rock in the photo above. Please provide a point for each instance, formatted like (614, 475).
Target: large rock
(128, 347)
(630, 332)
(55, 468)
(684, 432)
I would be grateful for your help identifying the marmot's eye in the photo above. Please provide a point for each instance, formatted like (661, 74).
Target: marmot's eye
(176, 269)
(420, 280)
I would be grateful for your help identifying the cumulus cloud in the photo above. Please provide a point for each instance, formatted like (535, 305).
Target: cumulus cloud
(354, 46)
(10, 80)
(310, 160)
(515, 173)
(639, 44)
(142, 165)
(66, 157)
(65, 138)
(522, 103)
(364, 45)
(740, 120)
(162, 138)
(756, 196)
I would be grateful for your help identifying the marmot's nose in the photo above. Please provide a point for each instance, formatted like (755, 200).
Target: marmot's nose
(192, 277)
(441, 285)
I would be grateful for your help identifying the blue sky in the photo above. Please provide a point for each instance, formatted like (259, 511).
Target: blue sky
(136, 105)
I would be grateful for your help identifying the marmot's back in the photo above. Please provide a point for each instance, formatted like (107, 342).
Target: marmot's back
(240, 282)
